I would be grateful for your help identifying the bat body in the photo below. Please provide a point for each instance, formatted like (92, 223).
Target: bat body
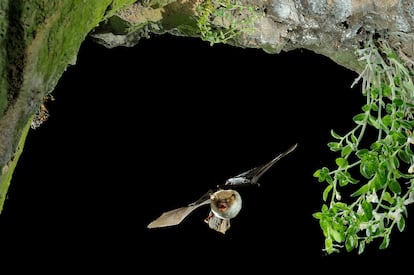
(225, 203)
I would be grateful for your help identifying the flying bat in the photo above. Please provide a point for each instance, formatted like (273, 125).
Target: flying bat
(225, 202)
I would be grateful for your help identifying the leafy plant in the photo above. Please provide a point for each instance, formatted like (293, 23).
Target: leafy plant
(221, 20)
(384, 165)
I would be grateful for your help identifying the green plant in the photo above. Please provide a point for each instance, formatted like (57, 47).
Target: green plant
(221, 20)
(379, 195)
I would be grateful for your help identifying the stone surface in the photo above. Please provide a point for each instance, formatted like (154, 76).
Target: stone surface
(332, 28)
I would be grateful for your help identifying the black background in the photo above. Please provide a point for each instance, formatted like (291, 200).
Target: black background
(137, 131)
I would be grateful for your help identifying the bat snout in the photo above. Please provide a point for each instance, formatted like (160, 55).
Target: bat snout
(223, 206)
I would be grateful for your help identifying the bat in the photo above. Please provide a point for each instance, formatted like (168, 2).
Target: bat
(225, 202)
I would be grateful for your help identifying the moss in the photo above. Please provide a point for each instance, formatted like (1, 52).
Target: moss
(159, 3)
(272, 49)
(40, 38)
(342, 57)
(186, 24)
(65, 30)
(3, 54)
(7, 170)
(118, 25)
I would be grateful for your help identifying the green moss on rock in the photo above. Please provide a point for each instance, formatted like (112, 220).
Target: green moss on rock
(38, 40)
(8, 169)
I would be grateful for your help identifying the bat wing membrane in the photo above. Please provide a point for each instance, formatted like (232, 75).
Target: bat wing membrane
(252, 176)
(176, 216)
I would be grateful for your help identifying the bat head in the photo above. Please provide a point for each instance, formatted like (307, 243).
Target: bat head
(226, 204)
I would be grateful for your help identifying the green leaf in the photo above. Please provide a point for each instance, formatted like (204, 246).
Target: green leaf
(387, 120)
(394, 186)
(317, 173)
(367, 170)
(335, 135)
(359, 119)
(387, 197)
(350, 178)
(334, 146)
(401, 224)
(367, 209)
(366, 107)
(398, 102)
(329, 179)
(397, 80)
(369, 164)
(342, 179)
(322, 174)
(324, 226)
(342, 206)
(382, 126)
(386, 91)
(353, 230)
(326, 192)
(376, 146)
(341, 162)
(381, 226)
(374, 92)
(404, 156)
(354, 139)
(382, 173)
(362, 153)
(350, 243)
(361, 247)
(405, 124)
(377, 182)
(385, 242)
(398, 137)
(408, 86)
(400, 115)
(346, 151)
(389, 108)
(329, 246)
(408, 151)
(395, 161)
(336, 235)
(362, 190)
(317, 215)
(373, 122)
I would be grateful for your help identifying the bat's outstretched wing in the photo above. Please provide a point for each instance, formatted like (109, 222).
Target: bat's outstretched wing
(176, 216)
(252, 176)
